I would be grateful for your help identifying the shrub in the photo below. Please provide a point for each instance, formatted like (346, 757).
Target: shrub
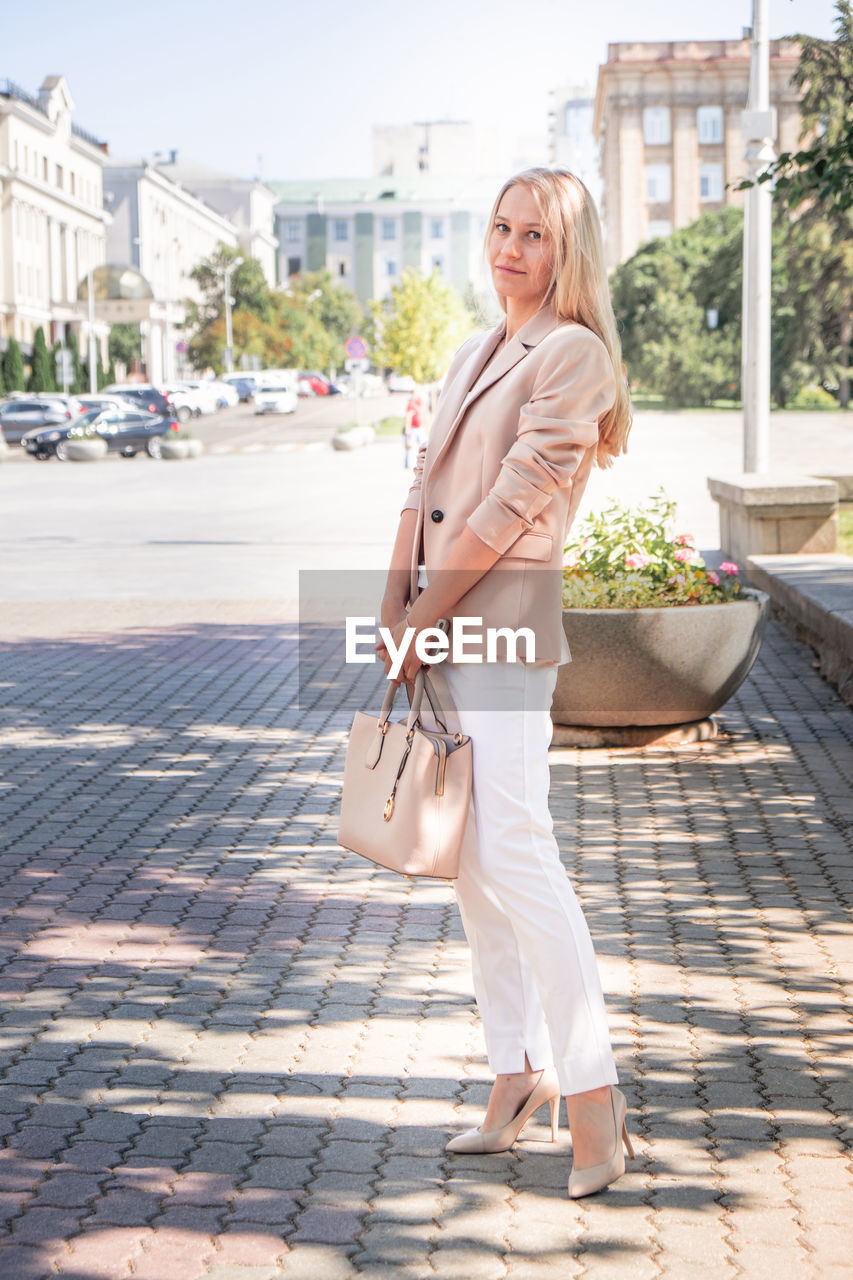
(630, 559)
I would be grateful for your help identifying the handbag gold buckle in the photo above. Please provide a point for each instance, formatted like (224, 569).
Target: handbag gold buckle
(389, 809)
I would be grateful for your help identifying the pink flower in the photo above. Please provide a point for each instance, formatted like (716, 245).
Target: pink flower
(686, 555)
(684, 540)
(637, 560)
(713, 577)
(678, 580)
(729, 569)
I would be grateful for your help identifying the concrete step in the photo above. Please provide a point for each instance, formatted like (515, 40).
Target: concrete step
(814, 594)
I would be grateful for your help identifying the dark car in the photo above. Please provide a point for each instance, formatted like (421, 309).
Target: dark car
(147, 397)
(21, 415)
(126, 431)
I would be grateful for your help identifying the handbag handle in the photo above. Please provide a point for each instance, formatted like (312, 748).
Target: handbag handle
(423, 685)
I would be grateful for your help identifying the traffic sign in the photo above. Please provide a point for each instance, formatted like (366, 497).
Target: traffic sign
(356, 348)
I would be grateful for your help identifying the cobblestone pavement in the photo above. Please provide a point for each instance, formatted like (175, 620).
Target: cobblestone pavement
(231, 1050)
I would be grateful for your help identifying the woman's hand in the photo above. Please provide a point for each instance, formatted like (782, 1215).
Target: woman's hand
(411, 664)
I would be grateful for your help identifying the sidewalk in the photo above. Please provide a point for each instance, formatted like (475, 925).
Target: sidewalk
(233, 1051)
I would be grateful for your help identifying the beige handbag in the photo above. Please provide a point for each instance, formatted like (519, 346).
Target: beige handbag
(407, 789)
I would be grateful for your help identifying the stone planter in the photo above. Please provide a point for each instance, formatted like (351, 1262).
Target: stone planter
(667, 666)
(195, 448)
(174, 449)
(355, 438)
(89, 450)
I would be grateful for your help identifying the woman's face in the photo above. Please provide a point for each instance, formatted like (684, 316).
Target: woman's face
(520, 255)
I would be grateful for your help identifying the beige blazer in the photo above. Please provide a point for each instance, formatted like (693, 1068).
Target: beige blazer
(509, 454)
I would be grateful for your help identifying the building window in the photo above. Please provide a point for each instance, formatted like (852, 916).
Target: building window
(656, 126)
(294, 266)
(44, 172)
(72, 178)
(341, 229)
(60, 177)
(436, 228)
(292, 230)
(389, 229)
(343, 267)
(390, 267)
(711, 182)
(709, 123)
(660, 229)
(658, 183)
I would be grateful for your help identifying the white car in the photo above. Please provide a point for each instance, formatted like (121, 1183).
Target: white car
(203, 393)
(227, 395)
(277, 397)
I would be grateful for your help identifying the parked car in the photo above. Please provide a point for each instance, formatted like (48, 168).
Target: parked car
(244, 383)
(202, 392)
(22, 414)
(225, 392)
(127, 432)
(400, 382)
(276, 397)
(102, 402)
(146, 396)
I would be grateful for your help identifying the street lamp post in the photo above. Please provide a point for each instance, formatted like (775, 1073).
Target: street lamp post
(759, 130)
(227, 271)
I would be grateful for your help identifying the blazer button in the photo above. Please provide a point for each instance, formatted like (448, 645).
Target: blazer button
(437, 517)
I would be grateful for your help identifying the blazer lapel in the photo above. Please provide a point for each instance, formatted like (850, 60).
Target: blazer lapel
(477, 379)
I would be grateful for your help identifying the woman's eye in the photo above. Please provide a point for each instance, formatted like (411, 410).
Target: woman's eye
(501, 226)
(535, 235)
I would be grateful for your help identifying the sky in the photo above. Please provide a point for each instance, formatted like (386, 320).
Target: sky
(287, 90)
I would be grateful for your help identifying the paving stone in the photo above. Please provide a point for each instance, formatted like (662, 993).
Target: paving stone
(285, 1063)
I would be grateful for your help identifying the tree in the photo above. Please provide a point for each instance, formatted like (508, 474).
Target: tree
(78, 379)
(125, 344)
(419, 326)
(666, 293)
(822, 171)
(662, 297)
(13, 367)
(41, 372)
(815, 185)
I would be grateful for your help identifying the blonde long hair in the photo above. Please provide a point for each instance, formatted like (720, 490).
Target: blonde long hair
(578, 289)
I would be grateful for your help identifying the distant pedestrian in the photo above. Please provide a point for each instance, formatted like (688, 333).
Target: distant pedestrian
(413, 429)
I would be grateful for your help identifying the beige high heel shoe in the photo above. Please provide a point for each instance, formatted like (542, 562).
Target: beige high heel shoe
(584, 1182)
(476, 1142)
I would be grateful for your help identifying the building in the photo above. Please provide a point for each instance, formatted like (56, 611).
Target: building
(668, 117)
(247, 203)
(53, 226)
(367, 231)
(456, 150)
(571, 136)
(163, 231)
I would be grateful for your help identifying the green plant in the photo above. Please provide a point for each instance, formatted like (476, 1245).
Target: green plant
(630, 559)
(41, 367)
(13, 367)
(812, 398)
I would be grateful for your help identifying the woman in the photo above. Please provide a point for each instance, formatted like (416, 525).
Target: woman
(524, 413)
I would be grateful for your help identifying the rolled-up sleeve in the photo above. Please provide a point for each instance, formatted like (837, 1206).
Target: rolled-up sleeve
(573, 387)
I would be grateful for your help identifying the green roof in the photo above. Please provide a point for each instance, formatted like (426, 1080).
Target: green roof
(422, 188)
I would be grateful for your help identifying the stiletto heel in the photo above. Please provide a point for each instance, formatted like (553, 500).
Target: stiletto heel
(584, 1182)
(476, 1142)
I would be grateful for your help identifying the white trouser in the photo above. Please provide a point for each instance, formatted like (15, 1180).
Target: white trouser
(534, 968)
